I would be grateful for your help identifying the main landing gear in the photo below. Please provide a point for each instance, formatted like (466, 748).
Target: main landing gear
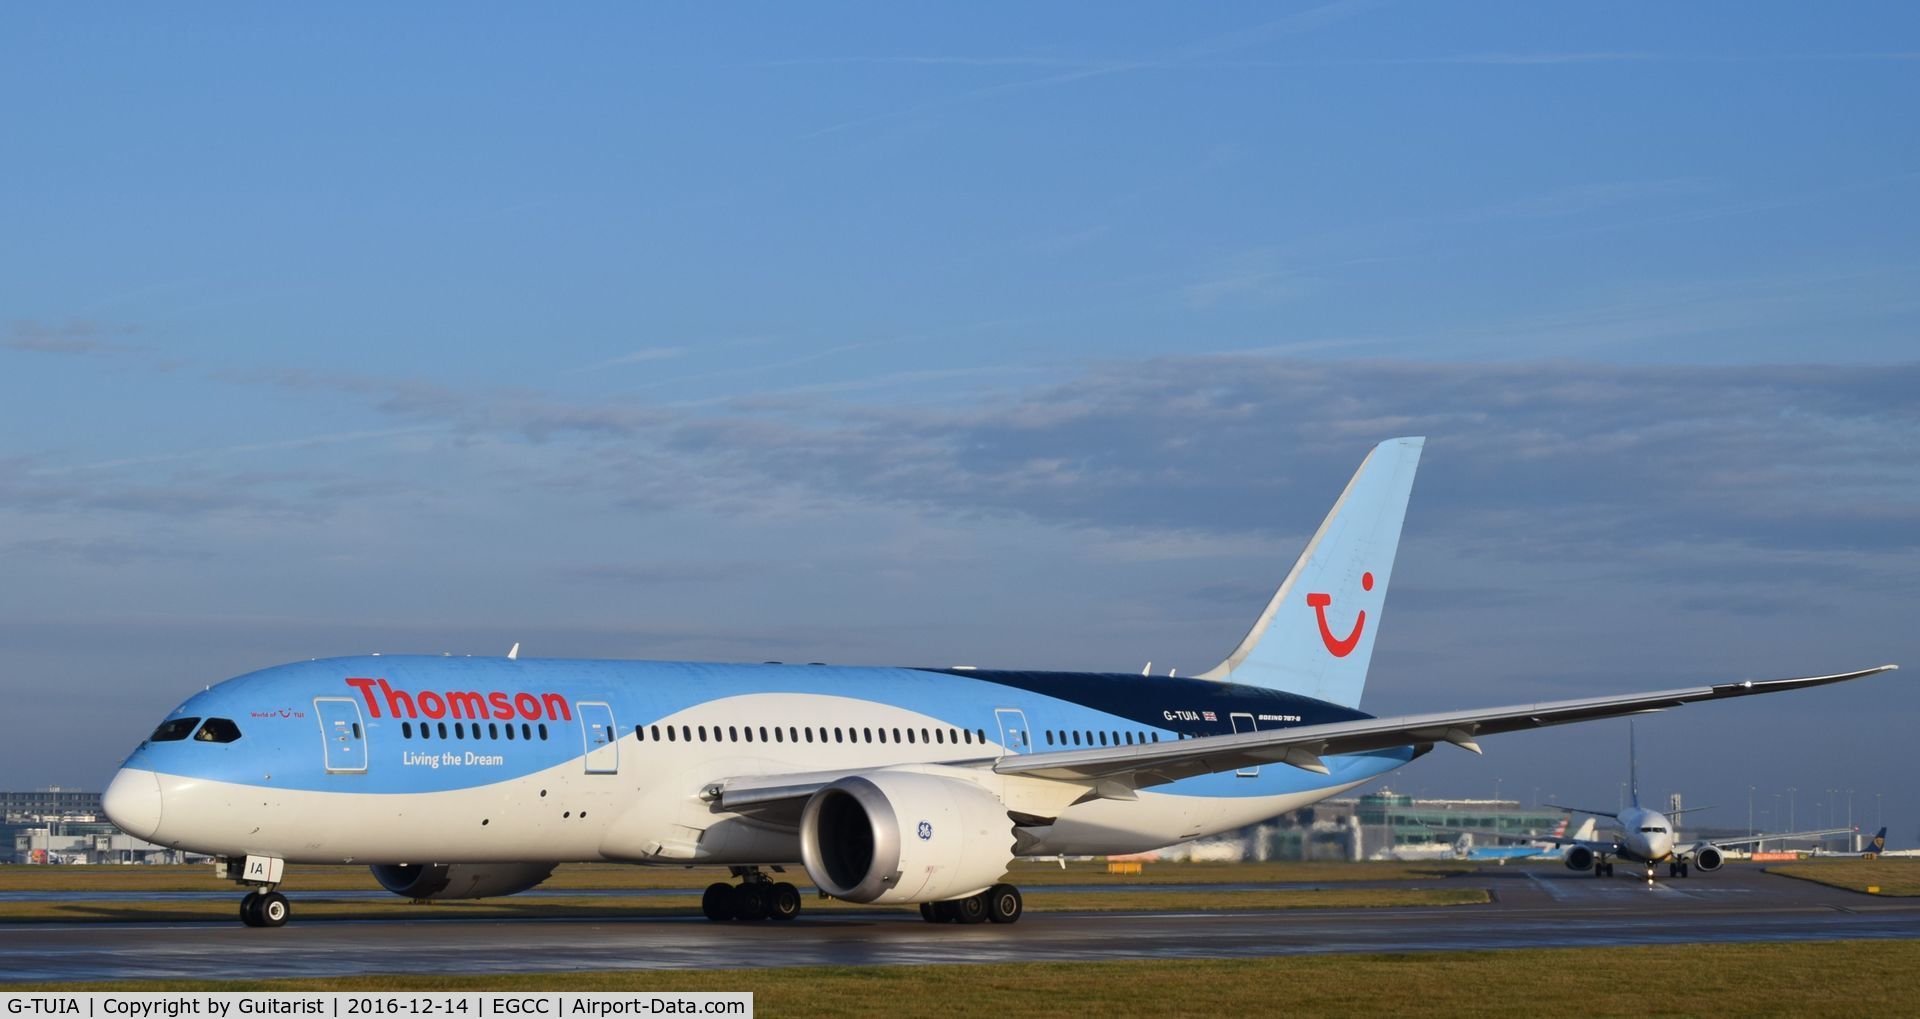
(1000, 904)
(1677, 868)
(1604, 868)
(756, 897)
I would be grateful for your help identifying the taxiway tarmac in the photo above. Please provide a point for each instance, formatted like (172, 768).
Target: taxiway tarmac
(1532, 907)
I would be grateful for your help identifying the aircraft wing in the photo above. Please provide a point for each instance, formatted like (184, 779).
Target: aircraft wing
(1148, 764)
(1303, 746)
(1775, 837)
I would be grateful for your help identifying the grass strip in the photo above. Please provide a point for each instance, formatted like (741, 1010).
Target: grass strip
(1898, 876)
(1025, 873)
(1764, 979)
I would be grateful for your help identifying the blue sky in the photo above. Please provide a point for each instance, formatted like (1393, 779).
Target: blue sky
(1009, 336)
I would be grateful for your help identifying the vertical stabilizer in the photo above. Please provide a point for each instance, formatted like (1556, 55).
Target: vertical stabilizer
(1316, 635)
(1633, 767)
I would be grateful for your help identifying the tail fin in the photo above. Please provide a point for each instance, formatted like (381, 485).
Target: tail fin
(1633, 765)
(1316, 636)
(1878, 844)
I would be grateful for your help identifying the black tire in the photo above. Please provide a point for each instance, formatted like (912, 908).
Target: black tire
(972, 909)
(749, 902)
(943, 912)
(717, 902)
(927, 913)
(250, 909)
(1684, 868)
(273, 910)
(783, 902)
(1004, 904)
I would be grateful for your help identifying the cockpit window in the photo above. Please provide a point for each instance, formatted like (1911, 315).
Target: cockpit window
(1655, 829)
(174, 729)
(218, 730)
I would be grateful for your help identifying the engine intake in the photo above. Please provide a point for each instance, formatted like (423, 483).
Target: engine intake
(904, 836)
(1579, 858)
(1709, 859)
(459, 880)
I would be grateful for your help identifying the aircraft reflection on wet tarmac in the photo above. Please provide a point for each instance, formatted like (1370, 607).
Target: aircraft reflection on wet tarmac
(1533, 907)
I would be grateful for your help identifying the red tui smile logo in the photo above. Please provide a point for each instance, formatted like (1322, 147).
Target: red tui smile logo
(1341, 647)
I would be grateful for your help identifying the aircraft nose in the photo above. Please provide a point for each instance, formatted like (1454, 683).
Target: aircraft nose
(132, 802)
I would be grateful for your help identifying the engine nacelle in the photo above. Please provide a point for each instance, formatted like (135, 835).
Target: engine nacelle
(459, 880)
(904, 836)
(1709, 858)
(1579, 858)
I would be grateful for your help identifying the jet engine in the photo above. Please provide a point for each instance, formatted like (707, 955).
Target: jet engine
(904, 836)
(1579, 858)
(1709, 858)
(459, 880)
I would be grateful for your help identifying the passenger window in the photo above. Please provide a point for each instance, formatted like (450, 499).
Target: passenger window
(939, 737)
(925, 736)
(953, 736)
(493, 730)
(982, 733)
(836, 734)
(1103, 739)
(778, 736)
(866, 735)
(509, 728)
(763, 732)
(1076, 737)
(656, 733)
(793, 734)
(669, 734)
(733, 734)
(526, 731)
(686, 734)
(222, 730)
(703, 734)
(174, 729)
(543, 730)
(909, 735)
(640, 733)
(406, 729)
(1156, 737)
(442, 726)
(809, 732)
(460, 729)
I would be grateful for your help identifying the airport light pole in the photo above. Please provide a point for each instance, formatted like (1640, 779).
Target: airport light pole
(1749, 811)
(1793, 797)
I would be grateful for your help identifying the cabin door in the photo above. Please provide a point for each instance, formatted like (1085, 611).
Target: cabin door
(603, 744)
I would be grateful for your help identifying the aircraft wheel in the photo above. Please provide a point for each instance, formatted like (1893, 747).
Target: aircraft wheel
(250, 909)
(972, 909)
(783, 902)
(1683, 870)
(927, 913)
(717, 901)
(749, 902)
(943, 912)
(272, 910)
(1004, 904)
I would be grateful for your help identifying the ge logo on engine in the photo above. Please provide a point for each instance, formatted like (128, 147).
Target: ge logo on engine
(926, 830)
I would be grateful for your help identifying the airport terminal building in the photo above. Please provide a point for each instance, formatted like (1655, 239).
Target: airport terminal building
(64, 826)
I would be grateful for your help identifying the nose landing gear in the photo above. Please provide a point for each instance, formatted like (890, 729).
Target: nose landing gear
(262, 906)
(264, 909)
